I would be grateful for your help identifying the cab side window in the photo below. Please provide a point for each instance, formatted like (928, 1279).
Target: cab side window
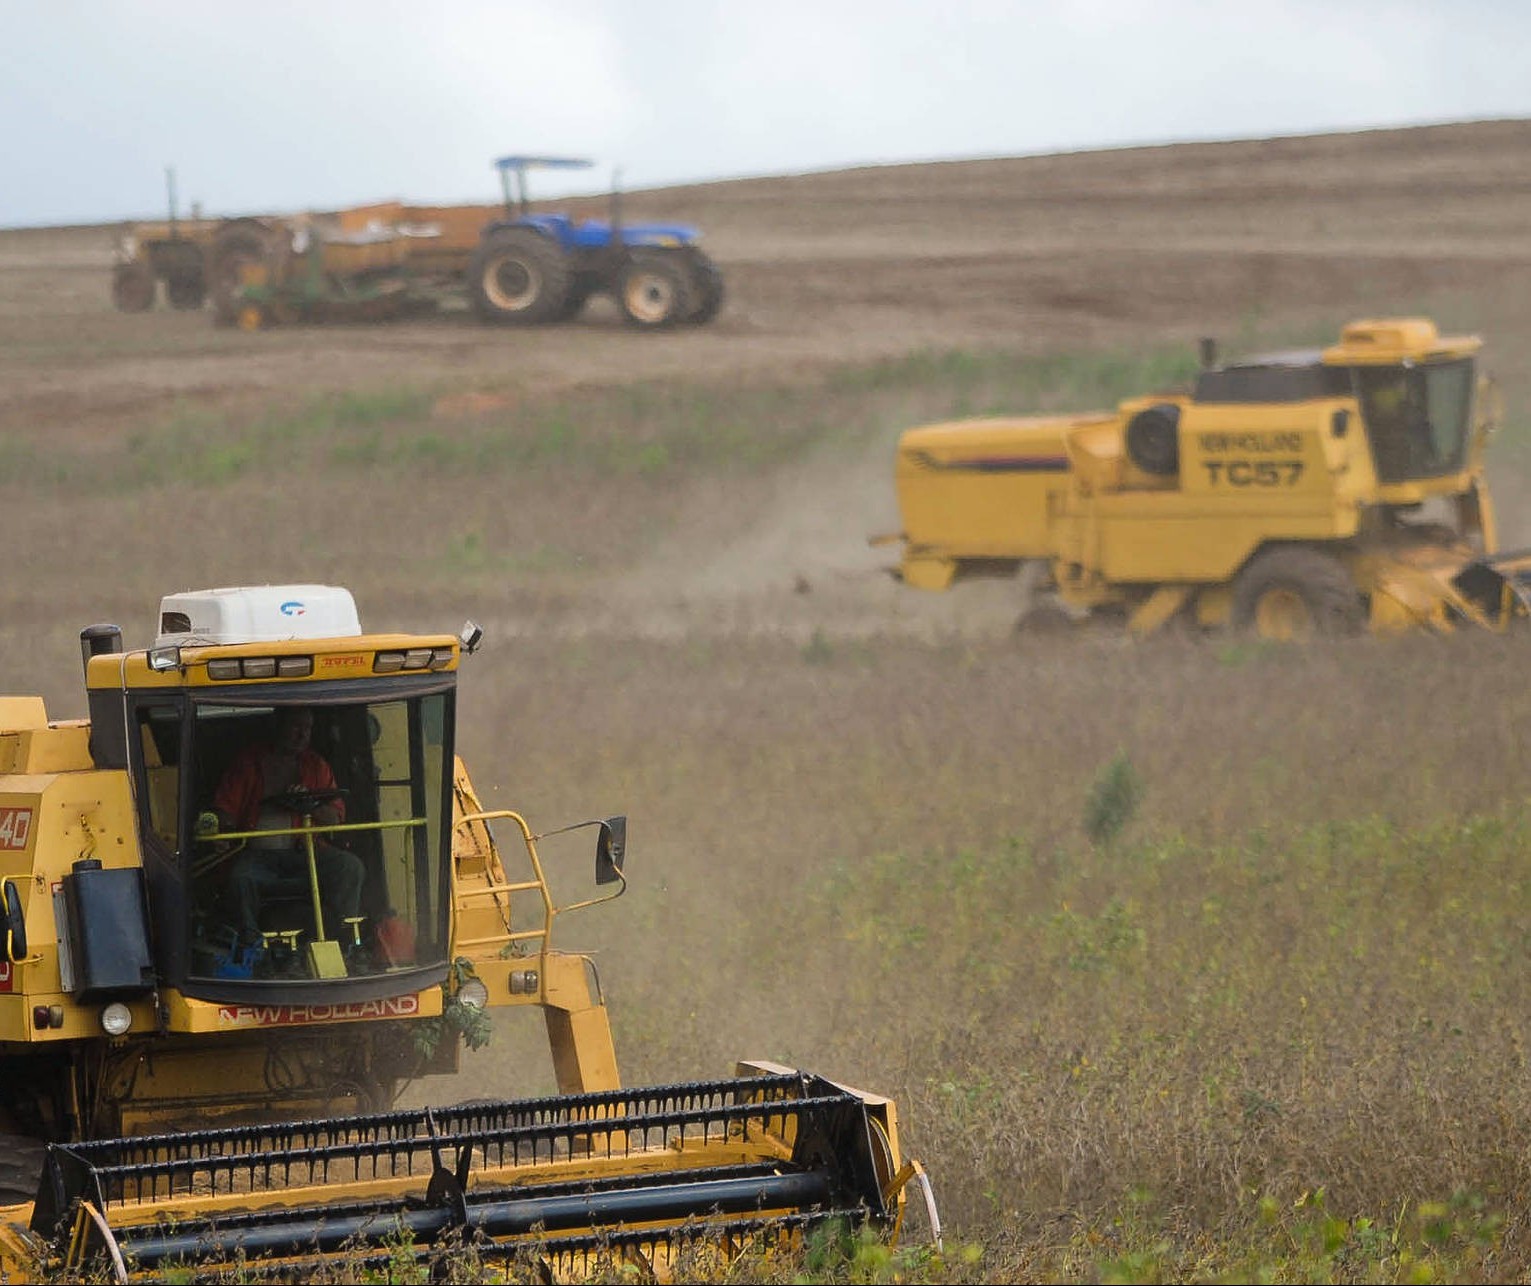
(159, 740)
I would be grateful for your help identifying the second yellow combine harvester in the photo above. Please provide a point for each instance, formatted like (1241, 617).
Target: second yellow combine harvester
(1321, 491)
(199, 1066)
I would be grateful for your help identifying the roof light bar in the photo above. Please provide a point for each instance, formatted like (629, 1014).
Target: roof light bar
(415, 658)
(260, 667)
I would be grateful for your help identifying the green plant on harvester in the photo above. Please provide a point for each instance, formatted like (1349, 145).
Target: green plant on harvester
(455, 1016)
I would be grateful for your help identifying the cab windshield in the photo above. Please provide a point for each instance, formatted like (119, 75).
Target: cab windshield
(1417, 417)
(319, 839)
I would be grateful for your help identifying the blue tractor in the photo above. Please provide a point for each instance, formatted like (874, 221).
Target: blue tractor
(532, 268)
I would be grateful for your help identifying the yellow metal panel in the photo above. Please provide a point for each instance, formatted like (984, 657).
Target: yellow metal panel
(333, 659)
(185, 1014)
(56, 749)
(1157, 608)
(1389, 341)
(20, 714)
(579, 1030)
(1249, 452)
(982, 489)
(927, 573)
(79, 1023)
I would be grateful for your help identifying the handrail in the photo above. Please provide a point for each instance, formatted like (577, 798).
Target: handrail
(540, 883)
(549, 909)
(316, 830)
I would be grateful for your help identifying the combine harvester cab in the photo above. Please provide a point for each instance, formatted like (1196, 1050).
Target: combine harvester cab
(1316, 491)
(193, 1078)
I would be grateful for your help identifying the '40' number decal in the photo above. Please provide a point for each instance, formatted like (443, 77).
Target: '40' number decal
(15, 827)
(1253, 473)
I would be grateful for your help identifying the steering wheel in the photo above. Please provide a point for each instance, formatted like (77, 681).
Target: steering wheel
(300, 800)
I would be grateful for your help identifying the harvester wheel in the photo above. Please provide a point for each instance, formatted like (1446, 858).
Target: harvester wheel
(133, 287)
(519, 276)
(21, 1166)
(1295, 593)
(655, 290)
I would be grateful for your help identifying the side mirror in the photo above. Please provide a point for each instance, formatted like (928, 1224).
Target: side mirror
(610, 850)
(1339, 422)
(15, 925)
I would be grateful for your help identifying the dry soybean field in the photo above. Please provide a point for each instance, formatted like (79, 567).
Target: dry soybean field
(1276, 1029)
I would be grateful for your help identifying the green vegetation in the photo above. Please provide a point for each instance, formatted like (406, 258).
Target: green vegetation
(1182, 961)
(1178, 1061)
(648, 430)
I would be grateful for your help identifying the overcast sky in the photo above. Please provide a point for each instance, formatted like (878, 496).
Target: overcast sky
(286, 104)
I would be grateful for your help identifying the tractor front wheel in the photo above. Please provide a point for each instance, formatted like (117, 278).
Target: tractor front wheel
(520, 277)
(655, 291)
(1292, 593)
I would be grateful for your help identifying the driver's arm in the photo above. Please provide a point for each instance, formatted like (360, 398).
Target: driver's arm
(238, 793)
(320, 778)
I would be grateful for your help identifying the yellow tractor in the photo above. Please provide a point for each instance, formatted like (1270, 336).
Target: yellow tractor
(200, 1067)
(1285, 495)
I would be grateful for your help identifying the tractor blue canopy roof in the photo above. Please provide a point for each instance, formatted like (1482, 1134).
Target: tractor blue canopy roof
(542, 163)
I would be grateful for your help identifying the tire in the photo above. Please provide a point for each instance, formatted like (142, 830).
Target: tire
(186, 293)
(1292, 593)
(133, 287)
(708, 290)
(519, 277)
(574, 303)
(21, 1167)
(654, 290)
(234, 247)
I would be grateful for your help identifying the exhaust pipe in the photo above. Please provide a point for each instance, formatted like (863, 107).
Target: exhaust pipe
(99, 640)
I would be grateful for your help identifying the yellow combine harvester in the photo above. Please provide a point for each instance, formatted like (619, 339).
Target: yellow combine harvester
(1284, 495)
(249, 898)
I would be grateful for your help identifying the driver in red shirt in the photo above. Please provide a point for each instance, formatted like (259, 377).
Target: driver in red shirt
(250, 798)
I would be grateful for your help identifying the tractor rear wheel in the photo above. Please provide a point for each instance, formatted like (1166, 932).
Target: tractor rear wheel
(655, 290)
(241, 244)
(133, 287)
(1293, 593)
(709, 291)
(519, 276)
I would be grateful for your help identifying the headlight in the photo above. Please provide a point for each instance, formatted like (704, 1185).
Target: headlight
(116, 1018)
(473, 994)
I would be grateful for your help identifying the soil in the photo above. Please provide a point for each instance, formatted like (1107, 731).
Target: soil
(1128, 248)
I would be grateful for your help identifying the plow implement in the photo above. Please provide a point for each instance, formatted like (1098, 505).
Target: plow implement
(667, 1180)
